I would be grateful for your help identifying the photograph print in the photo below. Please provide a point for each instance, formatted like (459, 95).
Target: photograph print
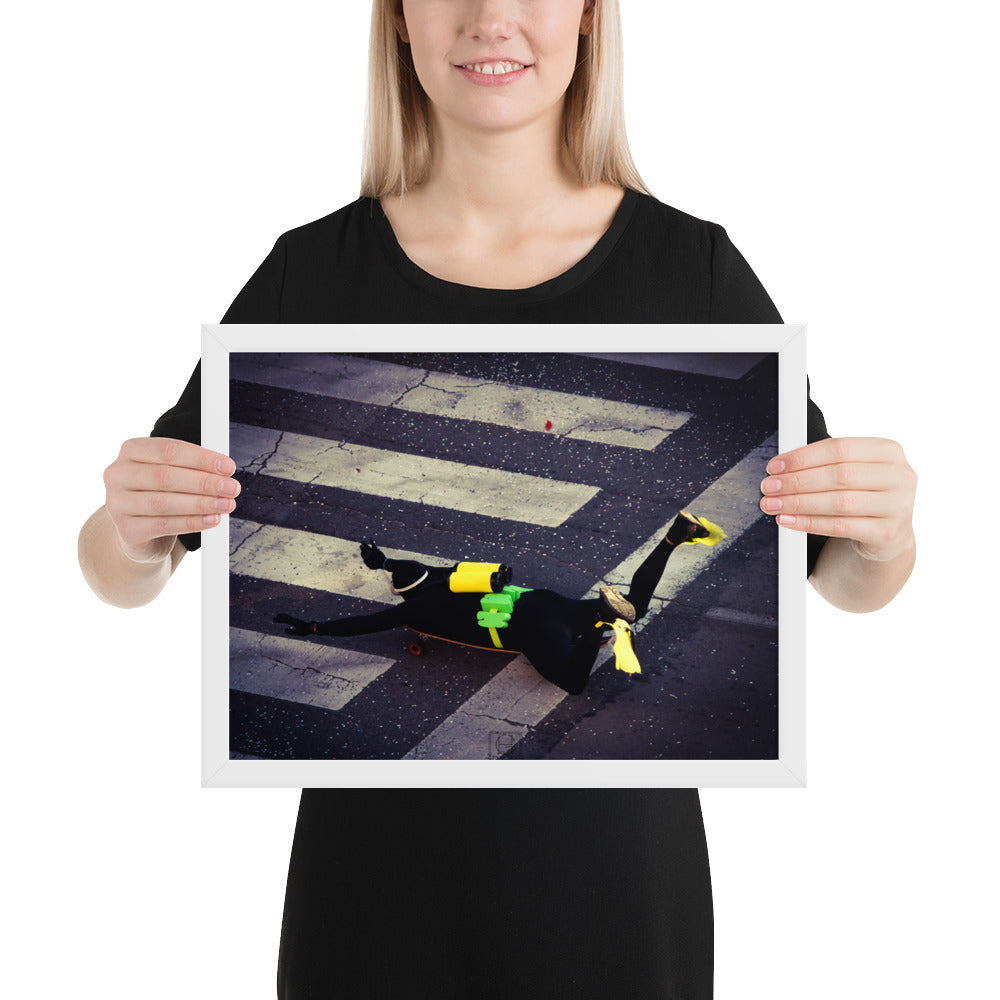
(486, 556)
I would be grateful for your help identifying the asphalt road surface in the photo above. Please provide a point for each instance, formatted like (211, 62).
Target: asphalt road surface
(567, 467)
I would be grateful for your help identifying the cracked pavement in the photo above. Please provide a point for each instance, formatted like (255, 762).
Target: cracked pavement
(708, 651)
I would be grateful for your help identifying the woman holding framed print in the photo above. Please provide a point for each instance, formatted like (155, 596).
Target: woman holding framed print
(498, 188)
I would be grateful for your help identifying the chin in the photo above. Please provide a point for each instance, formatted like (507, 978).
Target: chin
(499, 117)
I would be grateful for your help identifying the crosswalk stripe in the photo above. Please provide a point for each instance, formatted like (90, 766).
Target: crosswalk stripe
(731, 502)
(493, 493)
(518, 698)
(303, 672)
(381, 383)
(735, 617)
(717, 364)
(304, 559)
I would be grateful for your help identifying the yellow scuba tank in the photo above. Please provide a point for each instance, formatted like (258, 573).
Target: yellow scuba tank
(479, 578)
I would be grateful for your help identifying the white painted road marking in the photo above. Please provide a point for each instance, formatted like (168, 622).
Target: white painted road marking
(718, 364)
(381, 383)
(306, 559)
(518, 698)
(300, 671)
(732, 502)
(512, 496)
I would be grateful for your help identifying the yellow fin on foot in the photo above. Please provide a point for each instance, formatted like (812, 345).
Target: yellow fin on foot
(715, 533)
(625, 658)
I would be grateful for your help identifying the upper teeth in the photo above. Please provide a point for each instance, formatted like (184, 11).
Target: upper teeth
(495, 69)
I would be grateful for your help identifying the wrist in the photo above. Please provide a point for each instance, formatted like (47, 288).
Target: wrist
(905, 549)
(153, 553)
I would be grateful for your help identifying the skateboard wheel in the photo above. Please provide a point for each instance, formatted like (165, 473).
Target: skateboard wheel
(415, 648)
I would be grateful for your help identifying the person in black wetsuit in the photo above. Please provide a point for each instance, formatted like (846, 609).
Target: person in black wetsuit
(559, 636)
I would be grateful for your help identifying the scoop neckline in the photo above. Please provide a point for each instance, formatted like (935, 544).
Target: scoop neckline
(549, 289)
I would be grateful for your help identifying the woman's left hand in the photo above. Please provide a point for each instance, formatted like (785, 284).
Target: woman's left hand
(856, 488)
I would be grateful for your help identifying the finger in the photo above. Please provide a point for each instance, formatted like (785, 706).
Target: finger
(153, 478)
(849, 476)
(172, 451)
(841, 503)
(162, 504)
(833, 451)
(863, 529)
(139, 531)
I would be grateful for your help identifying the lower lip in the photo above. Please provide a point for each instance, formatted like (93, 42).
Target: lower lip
(486, 80)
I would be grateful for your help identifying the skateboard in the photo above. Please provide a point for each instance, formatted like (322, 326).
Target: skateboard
(417, 646)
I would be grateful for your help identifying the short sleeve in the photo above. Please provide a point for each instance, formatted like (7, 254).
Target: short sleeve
(183, 421)
(815, 431)
(258, 302)
(737, 296)
(260, 299)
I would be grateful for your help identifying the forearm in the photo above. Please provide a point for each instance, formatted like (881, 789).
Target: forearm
(113, 576)
(380, 621)
(853, 583)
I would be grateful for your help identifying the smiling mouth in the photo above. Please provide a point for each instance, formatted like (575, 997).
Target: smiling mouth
(492, 68)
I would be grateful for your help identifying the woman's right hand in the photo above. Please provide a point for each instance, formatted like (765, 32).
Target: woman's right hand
(159, 488)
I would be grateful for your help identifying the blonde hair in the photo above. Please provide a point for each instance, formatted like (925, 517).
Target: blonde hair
(397, 146)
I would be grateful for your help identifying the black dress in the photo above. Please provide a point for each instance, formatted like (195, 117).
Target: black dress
(567, 894)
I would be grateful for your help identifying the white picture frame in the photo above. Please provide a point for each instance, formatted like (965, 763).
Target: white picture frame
(708, 352)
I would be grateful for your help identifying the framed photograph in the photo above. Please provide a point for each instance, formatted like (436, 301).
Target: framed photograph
(497, 561)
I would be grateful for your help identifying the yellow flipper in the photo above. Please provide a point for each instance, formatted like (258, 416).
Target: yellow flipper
(625, 658)
(715, 533)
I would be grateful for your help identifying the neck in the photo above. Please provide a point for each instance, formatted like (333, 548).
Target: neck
(500, 178)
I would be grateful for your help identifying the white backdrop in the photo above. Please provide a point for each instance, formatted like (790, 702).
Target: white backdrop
(159, 149)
